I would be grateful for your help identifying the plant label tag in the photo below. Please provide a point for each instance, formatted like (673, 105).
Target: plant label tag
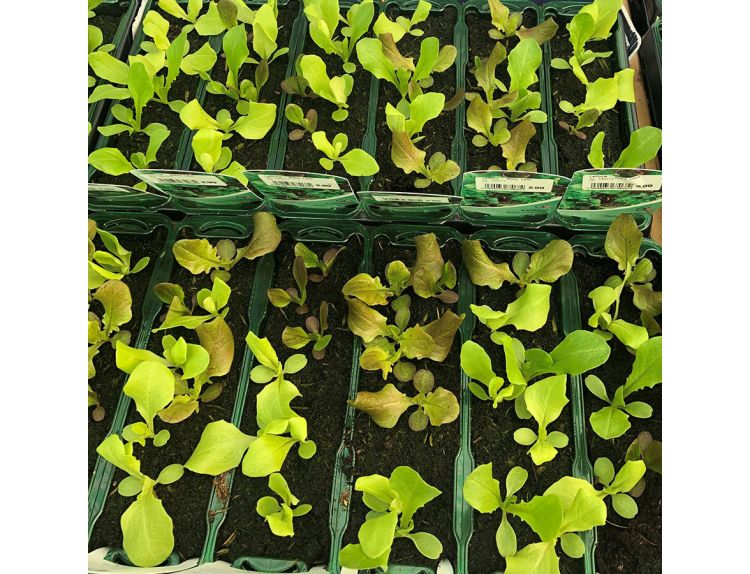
(299, 182)
(409, 198)
(110, 196)
(199, 192)
(414, 207)
(303, 193)
(512, 198)
(595, 197)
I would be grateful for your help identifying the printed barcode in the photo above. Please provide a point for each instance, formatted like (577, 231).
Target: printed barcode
(300, 182)
(607, 185)
(181, 179)
(504, 187)
(514, 184)
(607, 182)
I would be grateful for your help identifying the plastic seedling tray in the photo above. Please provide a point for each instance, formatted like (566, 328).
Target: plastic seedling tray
(117, 19)
(480, 546)
(105, 511)
(650, 53)
(618, 123)
(144, 234)
(629, 554)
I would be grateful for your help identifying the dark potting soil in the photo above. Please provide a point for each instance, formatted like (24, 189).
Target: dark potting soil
(623, 545)
(432, 452)
(438, 133)
(571, 150)
(301, 155)
(108, 380)
(253, 154)
(107, 19)
(324, 386)
(183, 88)
(481, 45)
(492, 433)
(186, 500)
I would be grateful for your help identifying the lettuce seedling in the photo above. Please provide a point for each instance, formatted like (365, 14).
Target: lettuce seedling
(147, 535)
(392, 502)
(314, 332)
(214, 301)
(431, 276)
(623, 245)
(593, 22)
(381, 57)
(151, 385)
(579, 352)
(114, 297)
(385, 407)
(614, 421)
(324, 264)
(403, 25)
(279, 516)
(283, 297)
(111, 160)
(507, 24)
(601, 95)
(617, 486)
(323, 16)
(370, 290)
(386, 344)
(643, 146)
(199, 256)
(336, 89)
(569, 506)
(270, 366)
(545, 401)
(114, 263)
(644, 448)
(186, 361)
(533, 274)
(308, 122)
(96, 38)
(356, 162)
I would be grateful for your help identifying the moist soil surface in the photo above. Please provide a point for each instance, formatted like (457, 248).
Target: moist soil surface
(431, 452)
(571, 150)
(324, 386)
(492, 433)
(108, 380)
(184, 88)
(438, 133)
(186, 500)
(108, 18)
(253, 154)
(481, 45)
(301, 155)
(623, 545)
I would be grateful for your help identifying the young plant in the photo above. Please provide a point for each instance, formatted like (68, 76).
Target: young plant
(114, 297)
(579, 352)
(213, 332)
(623, 245)
(207, 143)
(370, 290)
(221, 15)
(533, 274)
(545, 401)
(323, 16)
(280, 515)
(643, 146)
(283, 297)
(111, 160)
(593, 22)
(569, 506)
(114, 263)
(308, 122)
(356, 162)
(151, 385)
(385, 407)
(96, 38)
(381, 57)
(403, 25)
(147, 534)
(336, 89)
(601, 95)
(199, 256)
(614, 421)
(507, 24)
(386, 345)
(312, 261)
(314, 332)
(223, 446)
(617, 486)
(392, 502)
(644, 448)
(431, 276)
